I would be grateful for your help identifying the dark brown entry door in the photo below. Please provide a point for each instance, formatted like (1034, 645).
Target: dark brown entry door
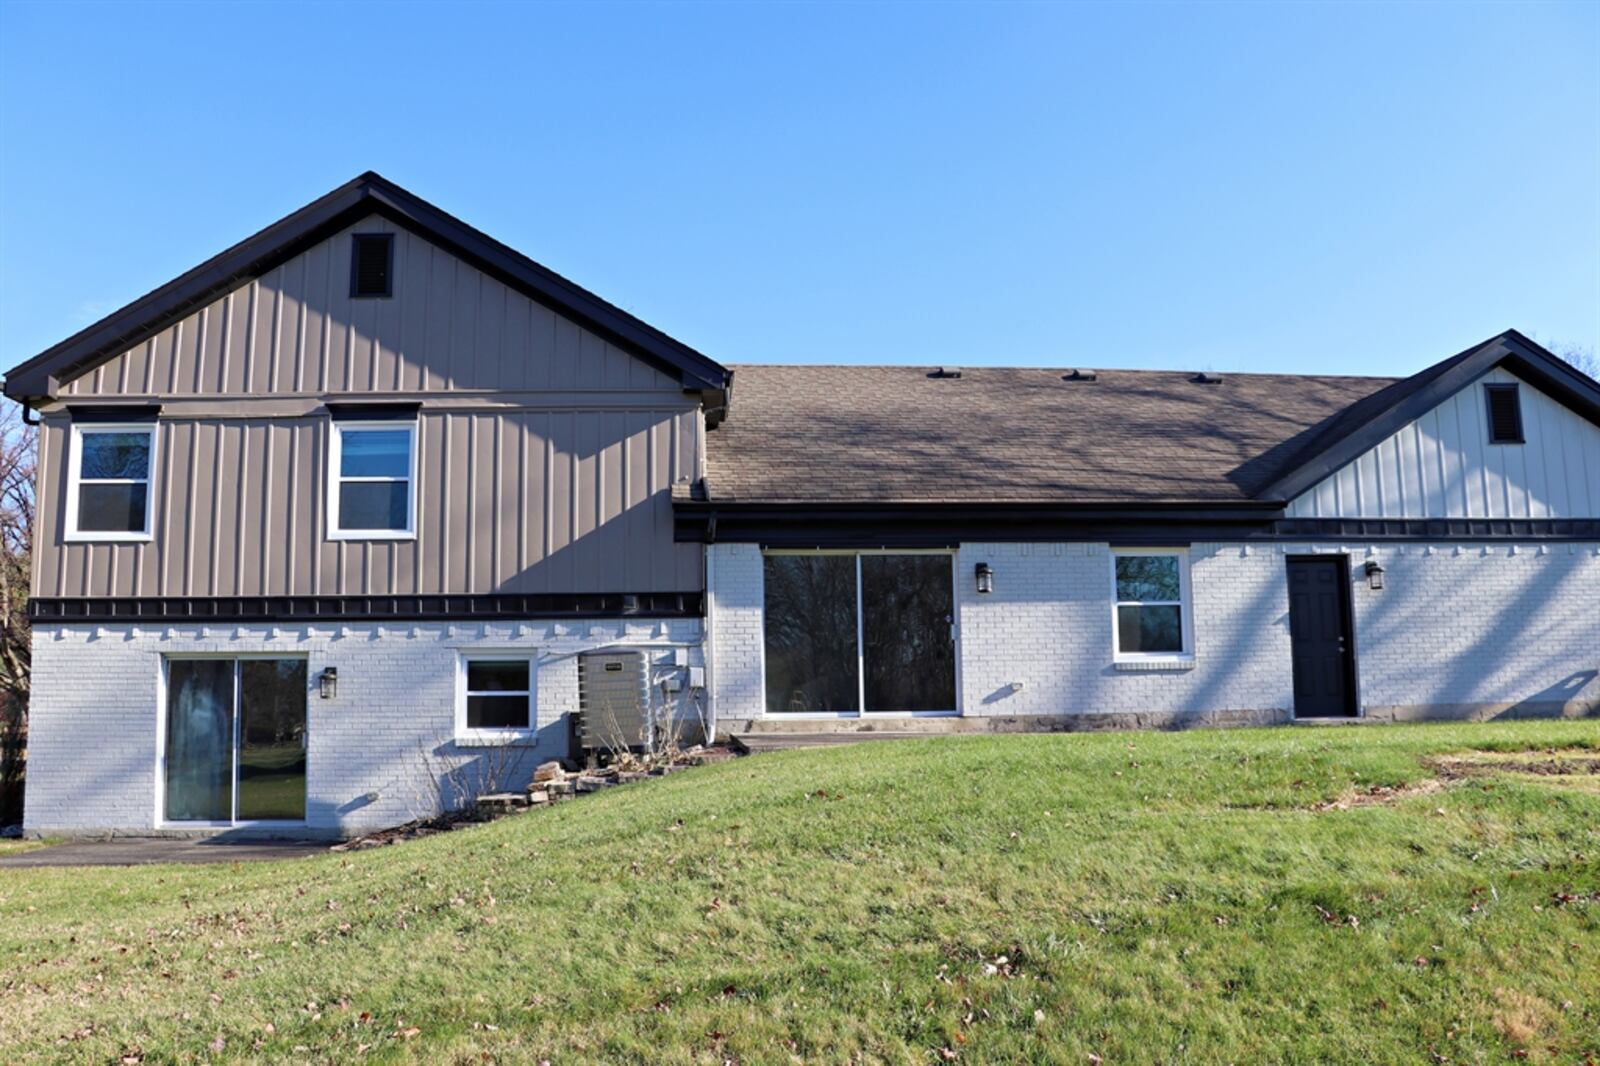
(1319, 633)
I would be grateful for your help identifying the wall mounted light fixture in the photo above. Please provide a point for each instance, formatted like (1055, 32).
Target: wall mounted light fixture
(328, 683)
(1374, 575)
(985, 574)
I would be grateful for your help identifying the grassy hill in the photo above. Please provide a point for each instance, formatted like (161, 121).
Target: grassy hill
(1302, 895)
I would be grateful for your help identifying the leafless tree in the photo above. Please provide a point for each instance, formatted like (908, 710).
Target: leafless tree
(1580, 357)
(18, 456)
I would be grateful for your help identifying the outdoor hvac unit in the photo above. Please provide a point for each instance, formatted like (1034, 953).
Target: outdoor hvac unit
(614, 702)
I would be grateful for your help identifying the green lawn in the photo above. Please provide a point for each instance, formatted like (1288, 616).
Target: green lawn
(1175, 897)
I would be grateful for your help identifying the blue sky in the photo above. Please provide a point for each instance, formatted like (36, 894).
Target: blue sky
(1310, 187)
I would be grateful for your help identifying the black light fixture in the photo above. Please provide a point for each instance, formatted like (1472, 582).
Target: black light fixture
(1374, 575)
(985, 574)
(328, 683)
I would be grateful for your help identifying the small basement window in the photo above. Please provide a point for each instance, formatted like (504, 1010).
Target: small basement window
(108, 490)
(1151, 611)
(372, 265)
(370, 494)
(496, 696)
(1505, 414)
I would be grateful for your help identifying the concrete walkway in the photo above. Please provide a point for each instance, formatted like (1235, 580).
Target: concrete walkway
(147, 851)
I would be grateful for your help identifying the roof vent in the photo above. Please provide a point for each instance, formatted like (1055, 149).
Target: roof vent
(1080, 374)
(1207, 378)
(946, 372)
(372, 265)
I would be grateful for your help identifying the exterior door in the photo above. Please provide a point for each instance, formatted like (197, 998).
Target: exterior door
(1320, 637)
(236, 741)
(853, 633)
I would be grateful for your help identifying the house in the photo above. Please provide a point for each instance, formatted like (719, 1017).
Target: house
(354, 518)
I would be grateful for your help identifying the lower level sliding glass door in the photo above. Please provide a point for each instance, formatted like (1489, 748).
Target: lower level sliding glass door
(847, 633)
(235, 740)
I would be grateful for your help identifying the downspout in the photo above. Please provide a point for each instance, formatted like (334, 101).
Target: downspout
(709, 636)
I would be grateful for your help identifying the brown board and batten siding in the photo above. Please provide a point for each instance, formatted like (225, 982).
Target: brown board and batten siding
(546, 455)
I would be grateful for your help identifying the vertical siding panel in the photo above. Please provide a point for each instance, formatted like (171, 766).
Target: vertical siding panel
(1585, 465)
(563, 503)
(314, 322)
(541, 346)
(308, 504)
(411, 278)
(264, 337)
(212, 373)
(489, 367)
(483, 503)
(174, 556)
(565, 357)
(452, 541)
(550, 497)
(202, 529)
(135, 364)
(50, 515)
(463, 331)
(435, 501)
(232, 501)
(97, 581)
(1430, 492)
(1570, 493)
(241, 339)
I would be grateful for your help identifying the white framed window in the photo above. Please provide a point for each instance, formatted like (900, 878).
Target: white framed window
(108, 481)
(372, 481)
(1151, 617)
(495, 695)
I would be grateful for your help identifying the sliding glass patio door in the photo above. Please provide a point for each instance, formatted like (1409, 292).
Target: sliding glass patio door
(235, 740)
(852, 633)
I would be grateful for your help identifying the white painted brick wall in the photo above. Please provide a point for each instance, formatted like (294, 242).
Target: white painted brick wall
(1048, 625)
(1459, 625)
(1476, 624)
(94, 715)
(735, 639)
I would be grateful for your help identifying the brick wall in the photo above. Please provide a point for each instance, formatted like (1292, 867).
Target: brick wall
(93, 759)
(1477, 630)
(734, 595)
(1460, 630)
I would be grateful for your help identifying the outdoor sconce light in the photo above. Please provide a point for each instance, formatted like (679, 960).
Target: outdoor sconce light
(985, 578)
(1374, 575)
(328, 682)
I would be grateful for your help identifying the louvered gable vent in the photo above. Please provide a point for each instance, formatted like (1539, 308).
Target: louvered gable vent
(1505, 414)
(371, 264)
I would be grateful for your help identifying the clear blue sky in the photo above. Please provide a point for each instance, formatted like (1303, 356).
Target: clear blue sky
(1334, 188)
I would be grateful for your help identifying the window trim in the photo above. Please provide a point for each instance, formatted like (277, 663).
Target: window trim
(355, 266)
(493, 655)
(336, 479)
(1185, 610)
(74, 480)
(1490, 389)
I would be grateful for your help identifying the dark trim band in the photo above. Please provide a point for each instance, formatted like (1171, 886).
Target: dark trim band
(946, 525)
(374, 412)
(87, 413)
(1583, 529)
(943, 525)
(367, 608)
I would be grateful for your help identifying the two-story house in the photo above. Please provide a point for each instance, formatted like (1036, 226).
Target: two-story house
(330, 528)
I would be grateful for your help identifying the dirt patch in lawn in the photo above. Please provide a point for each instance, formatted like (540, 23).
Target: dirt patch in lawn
(1569, 767)
(1378, 795)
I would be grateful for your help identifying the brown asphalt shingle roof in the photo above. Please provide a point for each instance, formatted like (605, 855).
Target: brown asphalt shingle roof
(882, 434)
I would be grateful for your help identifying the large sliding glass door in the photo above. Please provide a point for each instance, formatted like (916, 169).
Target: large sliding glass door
(236, 740)
(848, 633)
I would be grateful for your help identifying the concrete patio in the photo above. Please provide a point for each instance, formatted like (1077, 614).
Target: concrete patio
(150, 851)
